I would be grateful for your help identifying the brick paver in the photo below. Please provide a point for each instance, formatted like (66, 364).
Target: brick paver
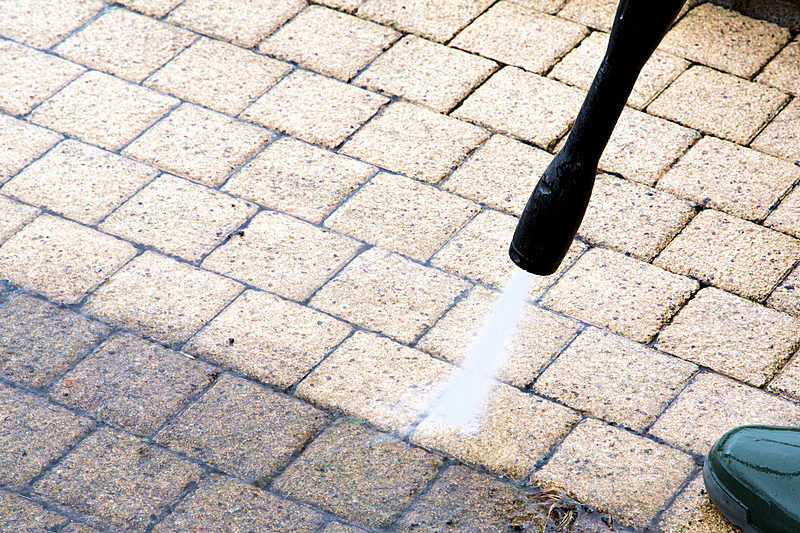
(20, 143)
(693, 512)
(23, 514)
(14, 215)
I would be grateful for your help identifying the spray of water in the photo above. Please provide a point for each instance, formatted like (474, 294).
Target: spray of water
(464, 399)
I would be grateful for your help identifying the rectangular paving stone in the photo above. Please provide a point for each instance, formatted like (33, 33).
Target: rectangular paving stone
(199, 144)
(732, 254)
(580, 65)
(426, 73)
(314, 108)
(787, 383)
(786, 217)
(133, 383)
(42, 23)
(39, 341)
(14, 215)
(299, 179)
(281, 254)
(693, 512)
(329, 42)
(713, 404)
(378, 380)
(61, 259)
(611, 469)
(523, 104)
(359, 474)
(437, 20)
(218, 75)
(18, 513)
(597, 14)
(402, 214)
(79, 181)
(515, 430)
(516, 35)
(178, 217)
(718, 103)
(415, 141)
(242, 428)
(28, 76)
(786, 296)
(126, 44)
(226, 504)
(102, 110)
(726, 40)
(731, 178)
(154, 8)
(501, 173)
(622, 294)
(243, 23)
(781, 137)
(539, 336)
(632, 218)
(385, 292)
(33, 433)
(20, 143)
(783, 71)
(615, 379)
(268, 338)
(731, 335)
(114, 478)
(162, 298)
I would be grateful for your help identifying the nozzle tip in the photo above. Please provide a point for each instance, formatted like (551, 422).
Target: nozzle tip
(529, 265)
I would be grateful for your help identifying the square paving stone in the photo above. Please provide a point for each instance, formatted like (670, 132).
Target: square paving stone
(61, 259)
(540, 284)
(154, 8)
(427, 73)
(102, 110)
(268, 338)
(20, 143)
(402, 214)
(787, 383)
(18, 513)
(28, 76)
(226, 504)
(132, 382)
(299, 179)
(731, 335)
(597, 14)
(523, 104)
(725, 40)
(622, 294)
(415, 141)
(114, 478)
(501, 174)
(514, 431)
(218, 75)
(713, 404)
(783, 71)
(633, 218)
(732, 254)
(611, 469)
(39, 341)
(615, 379)
(515, 35)
(580, 65)
(281, 254)
(178, 217)
(243, 428)
(42, 23)
(786, 296)
(378, 380)
(79, 181)
(465, 500)
(33, 433)
(384, 292)
(199, 144)
(731, 178)
(126, 44)
(329, 42)
(786, 218)
(437, 20)
(14, 215)
(781, 137)
(162, 298)
(314, 108)
(359, 474)
(242, 22)
(693, 512)
(540, 336)
(718, 103)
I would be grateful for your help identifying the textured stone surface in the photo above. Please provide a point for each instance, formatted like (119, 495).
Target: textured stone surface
(597, 14)
(23, 514)
(14, 215)
(42, 23)
(786, 217)
(787, 383)
(783, 71)
(438, 20)
(384, 292)
(20, 143)
(732, 254)
(540, 284)
(781, 137)
(155, 8)
(786, 296)
(693, 512)
(358, 473)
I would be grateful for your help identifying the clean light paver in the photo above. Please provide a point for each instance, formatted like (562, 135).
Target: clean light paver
(786, 217)
(786, 296)
(693, 512)
(783, 71)
(42, 23)
(14, 215)
(437, 20)
(781, 137)
(20, 143)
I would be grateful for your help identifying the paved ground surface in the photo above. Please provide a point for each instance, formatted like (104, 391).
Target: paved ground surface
(243, 244)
